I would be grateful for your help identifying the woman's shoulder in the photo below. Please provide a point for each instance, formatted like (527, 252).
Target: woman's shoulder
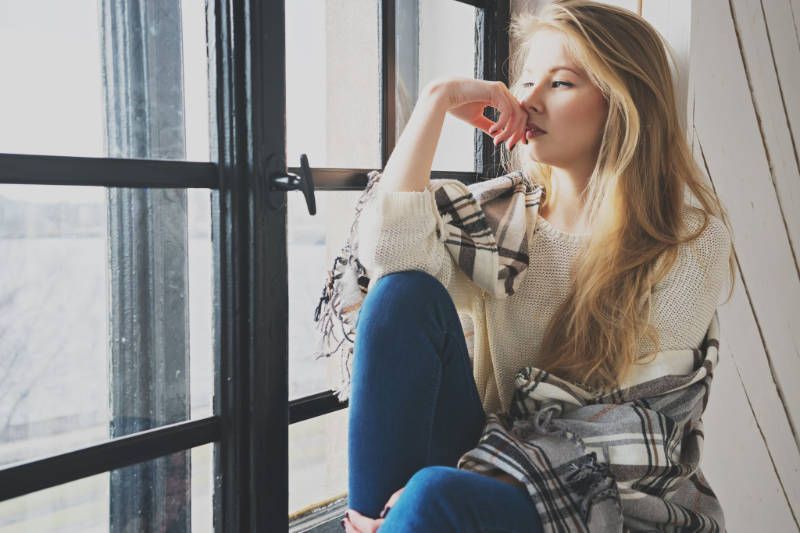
(702, 260)
(713, 243)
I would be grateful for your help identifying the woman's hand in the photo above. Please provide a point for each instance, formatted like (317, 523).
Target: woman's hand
(354, 522)
(467, 98)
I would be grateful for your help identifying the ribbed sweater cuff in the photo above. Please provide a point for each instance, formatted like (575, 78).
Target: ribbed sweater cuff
(402, 205)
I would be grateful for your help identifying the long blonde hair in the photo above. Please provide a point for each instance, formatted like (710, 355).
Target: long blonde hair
(634, 196)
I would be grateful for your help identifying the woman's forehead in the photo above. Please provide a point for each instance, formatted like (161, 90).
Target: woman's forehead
(548, 52)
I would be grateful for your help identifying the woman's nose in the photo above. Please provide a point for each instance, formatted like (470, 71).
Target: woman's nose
(532, 100)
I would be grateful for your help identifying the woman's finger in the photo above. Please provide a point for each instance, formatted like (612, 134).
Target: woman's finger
(500, 128)
(512, 117)
(516, 128)
(392, 500)
(348, 526)
(515, 118)
(508, 131)
(363, 524)
(519, 131)
(485, 125)
(500, 102)
(394, 497)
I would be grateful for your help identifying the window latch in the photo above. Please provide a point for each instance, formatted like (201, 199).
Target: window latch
(289, 181)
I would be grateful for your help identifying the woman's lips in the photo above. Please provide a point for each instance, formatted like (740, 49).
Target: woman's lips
(533, 132)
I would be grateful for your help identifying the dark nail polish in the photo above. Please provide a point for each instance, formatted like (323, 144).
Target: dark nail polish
(387, 512)
(347, 515)
(342, 524)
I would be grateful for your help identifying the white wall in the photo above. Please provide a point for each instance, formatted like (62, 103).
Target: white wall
(738, 82)
(745, 120)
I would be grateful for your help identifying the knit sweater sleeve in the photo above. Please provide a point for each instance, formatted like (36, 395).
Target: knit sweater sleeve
(403, 230)
(685, 300)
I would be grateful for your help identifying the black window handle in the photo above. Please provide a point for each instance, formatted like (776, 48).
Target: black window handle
(289, 181)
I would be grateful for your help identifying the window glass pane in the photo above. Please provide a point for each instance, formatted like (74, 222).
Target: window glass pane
(333, 83)
(183, 498)
(312, 244)
(82, 78)
(97, 326)
(317, 460)
(443, 54)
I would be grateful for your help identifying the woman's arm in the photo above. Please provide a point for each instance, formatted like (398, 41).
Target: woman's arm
(409, 166)
(400, 228)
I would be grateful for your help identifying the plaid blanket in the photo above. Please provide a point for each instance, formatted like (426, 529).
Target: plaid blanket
(619, 460)
(626, 460)
(487, 235)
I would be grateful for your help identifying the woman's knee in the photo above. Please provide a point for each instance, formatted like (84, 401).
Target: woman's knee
(434, 483)
(405, 292)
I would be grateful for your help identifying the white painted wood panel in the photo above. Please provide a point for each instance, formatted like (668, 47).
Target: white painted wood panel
(743, 142)
(740, 423)
(738, 86)
(774, 95)
(735, 156)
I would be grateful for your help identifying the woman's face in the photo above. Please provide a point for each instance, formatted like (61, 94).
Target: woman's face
(562, 102)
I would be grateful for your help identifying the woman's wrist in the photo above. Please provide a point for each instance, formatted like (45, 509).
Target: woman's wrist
(409, 166)
(439, 93)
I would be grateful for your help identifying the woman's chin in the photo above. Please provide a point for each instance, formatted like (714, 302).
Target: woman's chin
(533, 154)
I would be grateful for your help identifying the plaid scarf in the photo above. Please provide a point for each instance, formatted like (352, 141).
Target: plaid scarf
(620, 460)
(488, 232)
(624, 460)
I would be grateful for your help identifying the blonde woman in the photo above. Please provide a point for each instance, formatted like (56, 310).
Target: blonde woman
(621, 265)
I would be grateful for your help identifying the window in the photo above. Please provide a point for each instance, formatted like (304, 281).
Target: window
(353, 76)
(158, 283)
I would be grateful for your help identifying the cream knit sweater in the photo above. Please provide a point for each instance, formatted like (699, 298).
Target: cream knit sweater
(397, 231)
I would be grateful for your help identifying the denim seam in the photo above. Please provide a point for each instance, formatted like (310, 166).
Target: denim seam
(437, 390)
(474, 388)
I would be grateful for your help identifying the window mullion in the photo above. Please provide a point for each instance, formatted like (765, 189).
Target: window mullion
(23, 478)
(491, 47)
(106, 172)
(148, 239)
(388, 79)
(406, 88)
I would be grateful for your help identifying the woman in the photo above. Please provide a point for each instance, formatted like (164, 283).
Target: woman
(620, 266)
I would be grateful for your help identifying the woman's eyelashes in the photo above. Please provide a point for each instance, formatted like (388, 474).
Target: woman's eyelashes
(529, 84)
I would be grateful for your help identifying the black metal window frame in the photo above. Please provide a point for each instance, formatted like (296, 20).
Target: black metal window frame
(252, 411)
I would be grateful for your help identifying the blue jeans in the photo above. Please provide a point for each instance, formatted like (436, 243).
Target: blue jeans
(414, 410)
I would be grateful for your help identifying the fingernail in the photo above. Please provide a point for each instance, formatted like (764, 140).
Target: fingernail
(387, 512)
(347, 515)
(342, 524)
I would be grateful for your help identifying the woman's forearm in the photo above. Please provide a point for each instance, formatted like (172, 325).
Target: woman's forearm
(409, 165)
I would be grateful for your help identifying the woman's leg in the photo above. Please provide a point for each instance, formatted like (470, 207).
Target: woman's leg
(413, 400)
(445, 499)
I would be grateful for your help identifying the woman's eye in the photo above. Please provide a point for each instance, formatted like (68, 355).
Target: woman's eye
(529, 84)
